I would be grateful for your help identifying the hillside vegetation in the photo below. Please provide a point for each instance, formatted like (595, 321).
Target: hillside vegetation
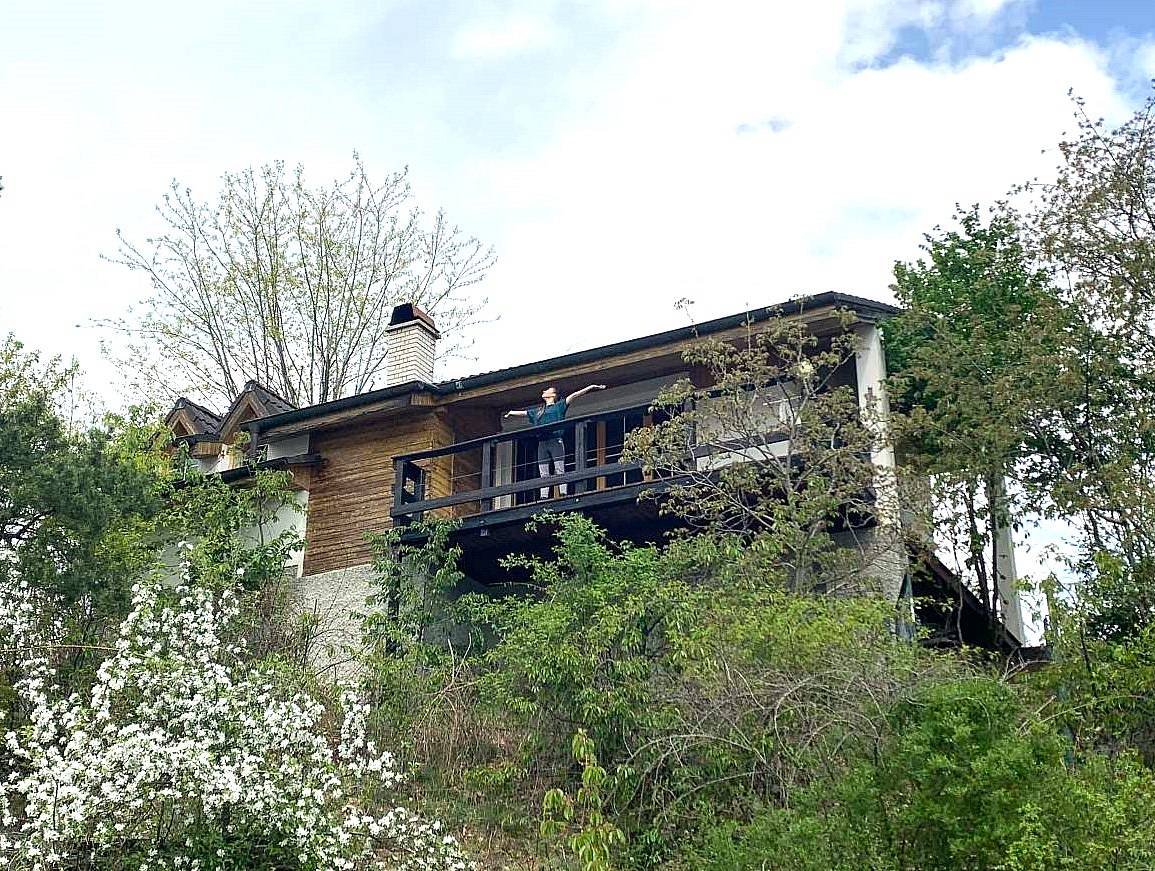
(735, 697)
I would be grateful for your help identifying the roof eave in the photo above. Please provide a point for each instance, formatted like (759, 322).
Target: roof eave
(334, 406)
(866, 310)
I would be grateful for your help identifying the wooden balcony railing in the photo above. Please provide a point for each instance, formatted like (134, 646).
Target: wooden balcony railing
(501, 471)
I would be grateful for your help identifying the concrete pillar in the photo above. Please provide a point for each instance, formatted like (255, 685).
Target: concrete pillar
(1006, 574)
(890, 564)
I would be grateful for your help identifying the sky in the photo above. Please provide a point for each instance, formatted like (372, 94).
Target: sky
(620, 156)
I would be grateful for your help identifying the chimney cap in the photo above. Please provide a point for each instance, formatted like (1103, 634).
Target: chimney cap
(407, 313)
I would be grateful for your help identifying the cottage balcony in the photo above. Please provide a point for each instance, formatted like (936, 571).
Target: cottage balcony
(497, 477)
(492, 485)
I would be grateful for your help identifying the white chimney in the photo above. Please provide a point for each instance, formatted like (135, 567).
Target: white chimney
(412, 338)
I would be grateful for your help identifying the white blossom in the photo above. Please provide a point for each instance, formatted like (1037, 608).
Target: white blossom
(182, 752)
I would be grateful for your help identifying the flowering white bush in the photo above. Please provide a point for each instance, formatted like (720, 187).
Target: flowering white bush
(179, 759)
(29, 624)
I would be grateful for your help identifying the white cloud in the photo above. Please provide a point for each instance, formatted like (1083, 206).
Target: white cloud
(1145, 59)
(676, 184)
(982, 11)
(732, 152)
(503, 37)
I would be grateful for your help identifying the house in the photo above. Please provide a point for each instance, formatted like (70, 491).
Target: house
(211, 437)
(418, 447)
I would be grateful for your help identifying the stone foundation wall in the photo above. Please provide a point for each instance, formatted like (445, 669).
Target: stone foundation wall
(333, 600)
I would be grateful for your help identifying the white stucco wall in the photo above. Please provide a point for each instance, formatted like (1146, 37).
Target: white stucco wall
(334, 603)
(287, 447)
(207, 465)
(288, 517)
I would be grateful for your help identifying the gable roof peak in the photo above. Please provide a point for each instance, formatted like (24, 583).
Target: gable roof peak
(200, 420)
(273, 402)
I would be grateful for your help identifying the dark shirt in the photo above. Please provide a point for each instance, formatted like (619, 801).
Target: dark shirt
(544, 414)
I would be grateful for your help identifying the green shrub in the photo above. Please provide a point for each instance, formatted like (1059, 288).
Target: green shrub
(967, 779)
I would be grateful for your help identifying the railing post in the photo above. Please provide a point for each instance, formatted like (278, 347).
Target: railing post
(486, 474)
(579, 455)
(418, 489)
(399, 489)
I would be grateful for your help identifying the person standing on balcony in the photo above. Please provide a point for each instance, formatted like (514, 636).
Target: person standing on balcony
(551, 444)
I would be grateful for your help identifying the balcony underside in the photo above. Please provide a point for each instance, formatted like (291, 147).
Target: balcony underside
(486, 539)
(953, 616)
(949, 614)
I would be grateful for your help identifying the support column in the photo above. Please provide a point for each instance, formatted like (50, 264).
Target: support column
(889, 564)
(1006, 572)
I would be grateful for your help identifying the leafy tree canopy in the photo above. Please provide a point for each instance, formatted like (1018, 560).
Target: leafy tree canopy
(65, 489)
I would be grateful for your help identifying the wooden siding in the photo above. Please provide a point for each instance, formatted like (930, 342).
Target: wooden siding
(465, 470)
(351, 491)
(200, 450)
(360, 414)
(647, 362)
(302, 477)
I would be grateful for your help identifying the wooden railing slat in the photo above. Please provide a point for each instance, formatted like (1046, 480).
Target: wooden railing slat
(487, 493)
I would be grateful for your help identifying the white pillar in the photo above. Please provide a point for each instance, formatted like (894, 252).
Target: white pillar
(870, 368)
(1007, 576)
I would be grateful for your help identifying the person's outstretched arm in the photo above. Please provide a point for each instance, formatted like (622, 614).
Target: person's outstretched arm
(578, 394)
(521, 413)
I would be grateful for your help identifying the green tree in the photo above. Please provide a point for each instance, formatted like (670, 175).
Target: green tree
(580, 653)
(707, 690)
(593, 839)
(227, 529)
(770, 445)
(981, 361)
(87, 511)
(1094, 226)
(66, 490)
(966, 778)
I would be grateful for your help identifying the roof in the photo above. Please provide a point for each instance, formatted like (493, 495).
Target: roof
(209, 425)
(205, 420)
(276, 403)
(262, 400)
(866, 309)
